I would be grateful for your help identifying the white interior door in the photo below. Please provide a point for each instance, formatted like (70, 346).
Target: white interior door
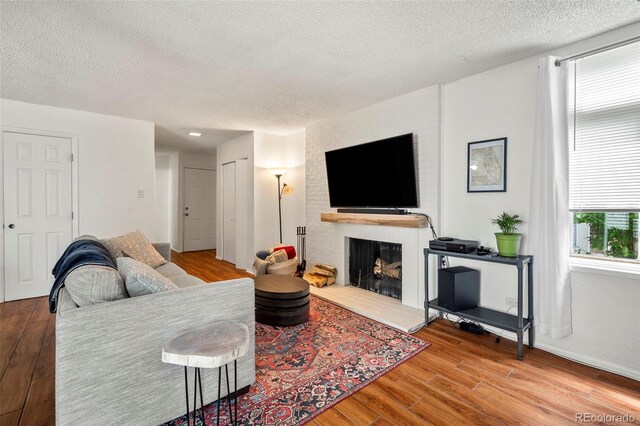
(38, 225)
(199, 209)
(229, 212)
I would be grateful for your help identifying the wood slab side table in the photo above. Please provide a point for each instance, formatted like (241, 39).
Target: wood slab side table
(210, 346)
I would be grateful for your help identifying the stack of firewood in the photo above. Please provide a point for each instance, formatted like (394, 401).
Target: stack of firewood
(320, 275)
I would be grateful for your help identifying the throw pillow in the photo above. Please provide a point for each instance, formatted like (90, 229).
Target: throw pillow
(141, 279)
(291, 251)
(288, 267)
(260, 266)
(262, 254)
(136, 246)
(277, 256)
(92, 284)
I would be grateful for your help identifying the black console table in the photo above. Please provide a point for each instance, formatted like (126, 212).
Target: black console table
(514, 323)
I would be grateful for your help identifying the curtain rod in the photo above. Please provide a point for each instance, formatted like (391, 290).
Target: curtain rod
(598, 50)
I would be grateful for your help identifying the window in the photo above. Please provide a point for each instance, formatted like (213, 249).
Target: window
(604, 153)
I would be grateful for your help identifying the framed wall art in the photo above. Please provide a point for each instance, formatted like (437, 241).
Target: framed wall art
(487, 166)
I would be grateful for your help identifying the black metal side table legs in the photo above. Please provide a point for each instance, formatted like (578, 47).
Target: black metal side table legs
(197, 382)
(233, 414)
(216, 345)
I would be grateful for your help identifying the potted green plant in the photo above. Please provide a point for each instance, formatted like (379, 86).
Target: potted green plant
(508, 240)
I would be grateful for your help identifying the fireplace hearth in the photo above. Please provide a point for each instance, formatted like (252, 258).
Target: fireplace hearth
(376, 266)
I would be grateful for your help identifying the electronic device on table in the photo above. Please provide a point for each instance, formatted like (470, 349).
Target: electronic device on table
(377, 177)
(453, 244)
(483, 251)
(458, 288)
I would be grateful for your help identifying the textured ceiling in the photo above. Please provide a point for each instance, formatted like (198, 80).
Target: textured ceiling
(177, 137)
(269, 66)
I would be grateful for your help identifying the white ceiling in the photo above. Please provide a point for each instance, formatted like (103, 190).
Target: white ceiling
(177, 138)
(269, 66)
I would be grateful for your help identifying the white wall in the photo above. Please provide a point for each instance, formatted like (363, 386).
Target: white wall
(274, 151)
(115, 160)
(293, 206)
(502, 102)
(162, 233)
(239, 150)
(418, 113)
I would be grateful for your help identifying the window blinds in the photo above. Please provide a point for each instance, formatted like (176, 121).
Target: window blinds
(604, 131)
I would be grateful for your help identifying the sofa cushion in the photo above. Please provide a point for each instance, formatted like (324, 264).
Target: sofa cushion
(141, 279)
(136, 246)
(170, 269)
(65, 302)
(186, 280)
(93, 284)
(86, 237)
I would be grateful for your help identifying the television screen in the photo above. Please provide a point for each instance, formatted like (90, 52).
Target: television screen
(374, 174)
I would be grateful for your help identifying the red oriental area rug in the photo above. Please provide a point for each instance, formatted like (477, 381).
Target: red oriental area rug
(303, 370)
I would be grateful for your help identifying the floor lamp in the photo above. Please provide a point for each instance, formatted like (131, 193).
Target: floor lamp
(284, 190)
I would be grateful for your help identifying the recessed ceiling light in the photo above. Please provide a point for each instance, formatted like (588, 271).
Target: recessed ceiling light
(195, 134)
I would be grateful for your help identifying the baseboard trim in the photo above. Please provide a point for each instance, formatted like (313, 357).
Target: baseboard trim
(591, 362)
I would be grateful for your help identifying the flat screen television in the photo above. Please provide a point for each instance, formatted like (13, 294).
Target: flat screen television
(379, 174)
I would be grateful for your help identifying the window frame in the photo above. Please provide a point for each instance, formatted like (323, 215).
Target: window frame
(595, 263)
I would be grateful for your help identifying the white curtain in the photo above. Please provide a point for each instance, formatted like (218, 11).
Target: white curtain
(549, 217)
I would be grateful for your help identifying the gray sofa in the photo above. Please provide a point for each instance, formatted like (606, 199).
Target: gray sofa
(108, 356)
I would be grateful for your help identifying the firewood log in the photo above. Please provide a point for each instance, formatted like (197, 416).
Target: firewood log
(329, 268)
(315, 280)
(391, 270)
(320, 271)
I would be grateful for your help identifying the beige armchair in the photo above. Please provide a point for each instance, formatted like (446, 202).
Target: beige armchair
(287, 267)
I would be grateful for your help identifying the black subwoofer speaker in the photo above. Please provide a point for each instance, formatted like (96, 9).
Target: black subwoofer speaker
(458, 288)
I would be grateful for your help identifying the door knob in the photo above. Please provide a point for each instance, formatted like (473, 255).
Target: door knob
(11, 226)
(186, 214)
(186, 208)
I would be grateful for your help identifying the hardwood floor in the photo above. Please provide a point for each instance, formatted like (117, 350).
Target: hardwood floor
(204, 265)
(460, 379)
(27, 359)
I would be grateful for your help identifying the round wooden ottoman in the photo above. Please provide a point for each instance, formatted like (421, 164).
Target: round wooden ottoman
(281, 300)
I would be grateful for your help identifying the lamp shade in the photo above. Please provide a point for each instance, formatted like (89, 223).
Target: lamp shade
(278, 172)
(286, 189)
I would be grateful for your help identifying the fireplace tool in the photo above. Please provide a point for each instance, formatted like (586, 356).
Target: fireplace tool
(301, 233)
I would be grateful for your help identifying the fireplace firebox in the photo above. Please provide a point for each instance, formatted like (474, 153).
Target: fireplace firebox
(376, 266)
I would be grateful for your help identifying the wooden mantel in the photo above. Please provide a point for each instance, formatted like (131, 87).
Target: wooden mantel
(402, 220)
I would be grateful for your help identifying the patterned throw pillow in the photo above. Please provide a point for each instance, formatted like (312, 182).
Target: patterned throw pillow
(277, 256)
(141, 279)
(136, 246)
(260, 266)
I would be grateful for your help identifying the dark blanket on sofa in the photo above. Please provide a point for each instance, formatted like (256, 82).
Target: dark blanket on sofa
(79, 253)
